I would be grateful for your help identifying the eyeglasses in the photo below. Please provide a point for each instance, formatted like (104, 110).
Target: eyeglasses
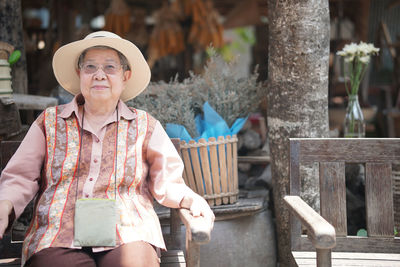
(109, 68)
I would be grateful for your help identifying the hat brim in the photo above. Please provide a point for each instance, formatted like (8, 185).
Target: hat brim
(65, 62)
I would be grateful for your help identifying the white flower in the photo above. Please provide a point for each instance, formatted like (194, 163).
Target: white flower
(356, 57)
(358, 50)
(367, 49)
(350, 48)
(365, 59)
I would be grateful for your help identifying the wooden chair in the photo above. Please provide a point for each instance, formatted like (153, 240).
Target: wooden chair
(328, 231)
(197, 230)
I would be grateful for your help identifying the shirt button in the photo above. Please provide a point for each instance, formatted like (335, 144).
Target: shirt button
(95, 160)
(87, 195)
(90, 179)
(97, 140)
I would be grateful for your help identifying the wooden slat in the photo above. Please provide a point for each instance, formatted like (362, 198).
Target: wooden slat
(349, 149)
(229, 168)
(379, 199)
(214, 170)
(235, 168)
(172, 258)
(205, 167)
(333, 195)
(254, 159)
(350, 255)
(357, 244)
(222, 168)
(308, 258)
(294, 172)
(188, 168)
(196, 168)
(294, 167)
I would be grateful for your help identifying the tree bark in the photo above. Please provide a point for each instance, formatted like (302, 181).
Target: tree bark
(297, 92)
(11, 32)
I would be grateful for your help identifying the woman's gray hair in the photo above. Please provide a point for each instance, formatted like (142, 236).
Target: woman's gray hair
(122, 59)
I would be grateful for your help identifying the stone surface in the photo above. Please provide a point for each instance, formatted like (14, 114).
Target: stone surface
(248, 241)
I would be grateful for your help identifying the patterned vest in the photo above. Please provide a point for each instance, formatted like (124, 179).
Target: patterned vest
(52, 224)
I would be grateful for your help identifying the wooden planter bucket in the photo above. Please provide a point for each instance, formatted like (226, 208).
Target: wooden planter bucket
(211, 168)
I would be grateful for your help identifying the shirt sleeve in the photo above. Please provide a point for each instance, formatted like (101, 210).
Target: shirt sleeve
(165, 169)
(19, 181)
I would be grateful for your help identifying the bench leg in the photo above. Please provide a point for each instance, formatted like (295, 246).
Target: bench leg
(324, 258)
(192, 253)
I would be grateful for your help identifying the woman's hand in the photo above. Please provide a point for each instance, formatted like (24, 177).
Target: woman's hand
(198, 207)
(6, 208)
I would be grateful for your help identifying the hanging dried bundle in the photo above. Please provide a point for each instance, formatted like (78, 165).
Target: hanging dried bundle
(138, 33)
(167, 36)
(118, 17)
(206, 28)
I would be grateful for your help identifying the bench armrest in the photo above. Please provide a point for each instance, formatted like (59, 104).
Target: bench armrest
(199, 229)
(321, 233)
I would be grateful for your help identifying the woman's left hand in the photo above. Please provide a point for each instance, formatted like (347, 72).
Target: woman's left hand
(198, 206)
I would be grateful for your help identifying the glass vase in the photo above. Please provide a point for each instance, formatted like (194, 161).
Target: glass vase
(354, 124)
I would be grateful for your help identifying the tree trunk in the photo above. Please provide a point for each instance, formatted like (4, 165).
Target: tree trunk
(297, 91)
(11, 32)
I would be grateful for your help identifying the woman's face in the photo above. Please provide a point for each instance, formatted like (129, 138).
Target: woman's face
(102, 78)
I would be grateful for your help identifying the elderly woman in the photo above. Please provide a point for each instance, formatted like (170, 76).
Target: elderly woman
(95, 165)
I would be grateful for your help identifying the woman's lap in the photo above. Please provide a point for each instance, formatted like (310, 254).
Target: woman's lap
(61, 257)
(134, 254)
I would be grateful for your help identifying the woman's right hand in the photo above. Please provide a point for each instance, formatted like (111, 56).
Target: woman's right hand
(6, 208)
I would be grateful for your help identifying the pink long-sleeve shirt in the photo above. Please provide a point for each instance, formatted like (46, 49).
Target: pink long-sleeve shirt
(160, 168)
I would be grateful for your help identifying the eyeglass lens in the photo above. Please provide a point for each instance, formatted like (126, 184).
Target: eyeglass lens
(108, 68)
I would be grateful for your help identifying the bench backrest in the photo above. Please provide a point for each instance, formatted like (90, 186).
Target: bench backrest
(7, 150)
(8, 249)
(377, 155)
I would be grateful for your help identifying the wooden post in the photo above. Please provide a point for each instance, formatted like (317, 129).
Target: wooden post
(324, 258)
(192, 252)
(175, 229)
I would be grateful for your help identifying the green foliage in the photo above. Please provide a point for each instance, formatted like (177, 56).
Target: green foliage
(179, 103)
(246, 35)
(362, 232)
(13, 58)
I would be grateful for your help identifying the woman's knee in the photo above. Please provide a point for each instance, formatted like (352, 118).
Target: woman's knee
(61, 257)
(133, 254)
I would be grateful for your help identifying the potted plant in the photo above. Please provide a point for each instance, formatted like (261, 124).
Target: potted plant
(206, 111)
(356, 59)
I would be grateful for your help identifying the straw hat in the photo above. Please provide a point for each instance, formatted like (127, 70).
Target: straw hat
(65, 62)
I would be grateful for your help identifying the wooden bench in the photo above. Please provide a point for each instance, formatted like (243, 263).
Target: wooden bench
(197, 229)
(328, 242)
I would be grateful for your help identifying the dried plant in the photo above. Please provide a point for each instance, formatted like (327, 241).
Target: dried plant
(179, 103)
(169, 103)
(231, 97)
